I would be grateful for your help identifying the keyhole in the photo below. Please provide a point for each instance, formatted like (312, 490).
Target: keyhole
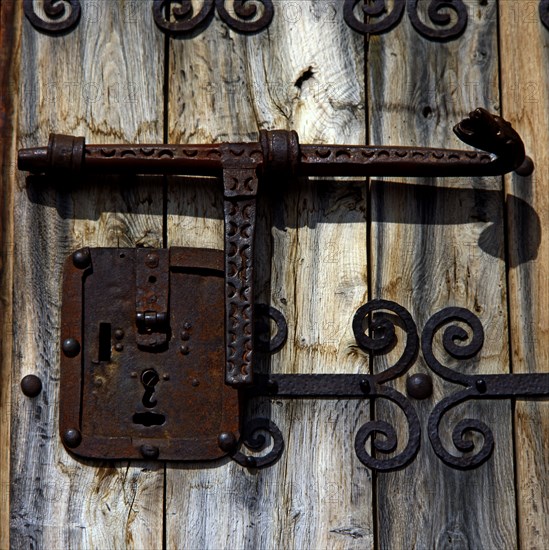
(149, 379)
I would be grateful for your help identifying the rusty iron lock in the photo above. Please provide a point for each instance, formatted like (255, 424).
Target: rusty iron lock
(158, 345)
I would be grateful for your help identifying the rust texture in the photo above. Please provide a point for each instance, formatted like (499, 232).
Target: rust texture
(123, 398)
(276, 156)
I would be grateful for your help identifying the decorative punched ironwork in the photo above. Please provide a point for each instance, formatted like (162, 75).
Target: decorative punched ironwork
(98, 354)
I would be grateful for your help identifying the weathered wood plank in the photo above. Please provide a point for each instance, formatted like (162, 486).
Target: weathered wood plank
(439, 243)
(305, 73)
(524, 44)
(103, 80)
(10, 29)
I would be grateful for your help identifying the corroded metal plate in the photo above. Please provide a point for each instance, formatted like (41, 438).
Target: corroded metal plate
(130, 390)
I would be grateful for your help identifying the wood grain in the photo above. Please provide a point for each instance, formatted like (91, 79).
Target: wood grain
(103, 80)
(10, 32)
(305, 73)
(524, 43)
(439, 243)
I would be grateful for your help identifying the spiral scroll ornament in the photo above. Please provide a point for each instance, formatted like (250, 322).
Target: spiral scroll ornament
(382, 335)
(63, 15)
(377, 9)
(254, 440)
(388, 442)
(442, 29)
(462, 345)
(179, 17)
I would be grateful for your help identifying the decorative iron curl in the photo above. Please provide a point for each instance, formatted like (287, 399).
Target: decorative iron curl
(264, 313)
(383, 338)
(54, 9)
(458, 434)
(389, 444)
(186, 21)
(373, 9)
(476, 387)
(257, 442)
(247, 10)
(438, 17)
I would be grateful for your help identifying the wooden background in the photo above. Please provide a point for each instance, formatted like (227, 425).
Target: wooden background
(324, 249)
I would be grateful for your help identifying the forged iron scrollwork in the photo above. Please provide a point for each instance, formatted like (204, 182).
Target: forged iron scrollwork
(179, 17)
(56, 10)
(374, 326)
(379, 19)
(254, 440)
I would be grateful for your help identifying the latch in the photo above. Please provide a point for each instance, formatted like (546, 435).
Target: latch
(158, 346)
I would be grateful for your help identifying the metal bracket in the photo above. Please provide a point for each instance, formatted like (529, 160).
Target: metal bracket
(156, 313)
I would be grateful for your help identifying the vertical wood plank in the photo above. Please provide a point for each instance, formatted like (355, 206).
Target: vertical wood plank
(439, 243)
(103, 80)
(10, 29)
(524, 44)
(304, 73)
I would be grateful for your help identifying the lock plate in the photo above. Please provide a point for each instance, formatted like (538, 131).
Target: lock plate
(142, 355)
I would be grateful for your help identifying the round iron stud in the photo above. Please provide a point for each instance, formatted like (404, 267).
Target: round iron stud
(227, 442)
(72, 438)
(419, 386)
(31, 385)
(149, 451)
(81, 258)
(119, 334)
(71, 347)
(481, 386)
(365, 386)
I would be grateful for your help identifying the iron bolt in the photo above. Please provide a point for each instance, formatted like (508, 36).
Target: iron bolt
(185, 350)
(149, 451)
(419, 386)
(251, 462)
(481, 386)
(119, 334)
(227, 441)
(81, 258)
(152, 260)
(185, 336)
(195, 382)
(71, 347)
(187, 326)
(119, 347)
(365, 386)
(31, 385)
(72, 438)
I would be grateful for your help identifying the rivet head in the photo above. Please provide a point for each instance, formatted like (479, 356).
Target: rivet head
(419, 386)
(272, 386)
(195, 382)
(226, 441)
(481, 386)
(185, 350)
(365, 386)
(81, 258)
(71, 347)
(149, 451)
(72, 438)
(251, 462)
(187, 326)
(152, 260)
(31, 385)
(119, 334)
(119, 347)
(185, 336)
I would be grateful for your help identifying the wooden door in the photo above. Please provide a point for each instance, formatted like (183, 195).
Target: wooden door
(324, 248)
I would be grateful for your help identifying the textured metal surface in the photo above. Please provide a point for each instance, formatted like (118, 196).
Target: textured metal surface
(280, 151)
(63, 15)
(379, 18)
(120, 398)
(178, 17)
